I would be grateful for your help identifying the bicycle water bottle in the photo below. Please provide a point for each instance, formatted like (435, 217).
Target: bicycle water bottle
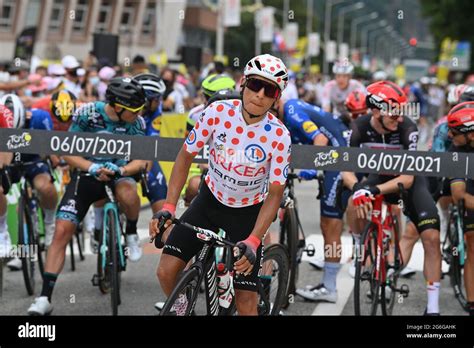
(225, 286)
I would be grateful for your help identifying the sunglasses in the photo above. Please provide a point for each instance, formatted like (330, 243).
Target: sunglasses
(135, 110)
(455, 131)
(270, 90)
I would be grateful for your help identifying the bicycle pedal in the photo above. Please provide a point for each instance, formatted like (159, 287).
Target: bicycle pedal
(310, 250)
(404, 290)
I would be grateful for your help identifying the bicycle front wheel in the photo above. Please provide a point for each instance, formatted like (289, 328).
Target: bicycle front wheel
(273, 276)
(290, 231)
(113, 262)
(183, 298)
(366, 288)
(27, 243)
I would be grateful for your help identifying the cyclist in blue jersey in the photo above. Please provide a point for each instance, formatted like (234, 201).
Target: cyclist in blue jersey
(309, 124)
(37, 173)
(417, 95)
(119, 115)
(154, 89)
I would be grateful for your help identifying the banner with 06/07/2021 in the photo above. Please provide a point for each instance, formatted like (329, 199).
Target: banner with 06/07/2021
(390, 162)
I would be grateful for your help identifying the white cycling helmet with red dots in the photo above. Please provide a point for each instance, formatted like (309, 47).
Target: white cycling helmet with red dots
(269, 67)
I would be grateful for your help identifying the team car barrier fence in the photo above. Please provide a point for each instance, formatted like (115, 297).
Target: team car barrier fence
(425, 163)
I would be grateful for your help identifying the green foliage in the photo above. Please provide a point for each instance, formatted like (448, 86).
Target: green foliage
(450, 18)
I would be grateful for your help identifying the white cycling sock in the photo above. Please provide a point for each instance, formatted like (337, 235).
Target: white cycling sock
(330, 274)
(3, 223)
(98, 217)
(432, 289)
(49, 216)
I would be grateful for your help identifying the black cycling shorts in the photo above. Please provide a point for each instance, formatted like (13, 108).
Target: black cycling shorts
(79, 196)
(419, 205)
(207, 212)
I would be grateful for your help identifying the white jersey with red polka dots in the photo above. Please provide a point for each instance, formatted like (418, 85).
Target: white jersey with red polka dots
(243, 158)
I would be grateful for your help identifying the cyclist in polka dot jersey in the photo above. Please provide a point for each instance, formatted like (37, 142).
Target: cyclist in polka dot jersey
(249, 155)
(241, 156)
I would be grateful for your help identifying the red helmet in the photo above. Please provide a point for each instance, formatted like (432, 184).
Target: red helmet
(6, 117)
(355, 104)
(383, 94)
(461, 117)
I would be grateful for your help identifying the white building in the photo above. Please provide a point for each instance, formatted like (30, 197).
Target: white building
(67, 26)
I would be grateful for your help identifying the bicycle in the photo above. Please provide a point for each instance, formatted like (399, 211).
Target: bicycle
(30, 224)
(111, 256)
(454, 251)
(291, 230)
(378, 261)
(183, 299)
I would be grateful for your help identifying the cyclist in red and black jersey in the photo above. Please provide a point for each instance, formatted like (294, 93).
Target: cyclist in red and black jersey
(388, 128)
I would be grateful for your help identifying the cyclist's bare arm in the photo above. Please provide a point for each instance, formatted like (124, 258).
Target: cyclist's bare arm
(320, 140)
(469, 201)
(179, 175)
(349, 179)
(269, 210)
(5, 158)
(178, 178)
(134, 167)
(458, 191)
(78, 162)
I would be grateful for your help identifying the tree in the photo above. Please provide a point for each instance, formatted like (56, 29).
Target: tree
(240, 41)
(450, 18)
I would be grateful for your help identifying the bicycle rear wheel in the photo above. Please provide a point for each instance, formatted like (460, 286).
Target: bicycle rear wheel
(366, 288)
(290, 228)
(183, 298)
(27, 243)
(273, 275)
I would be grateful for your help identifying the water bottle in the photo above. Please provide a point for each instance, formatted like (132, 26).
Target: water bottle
(225, 286)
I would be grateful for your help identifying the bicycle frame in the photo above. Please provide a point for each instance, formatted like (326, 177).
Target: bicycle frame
(458, 212)
(381, 217)
(111, 205)
(205, 264)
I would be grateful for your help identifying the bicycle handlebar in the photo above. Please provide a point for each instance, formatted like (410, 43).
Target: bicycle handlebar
(210, 233)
